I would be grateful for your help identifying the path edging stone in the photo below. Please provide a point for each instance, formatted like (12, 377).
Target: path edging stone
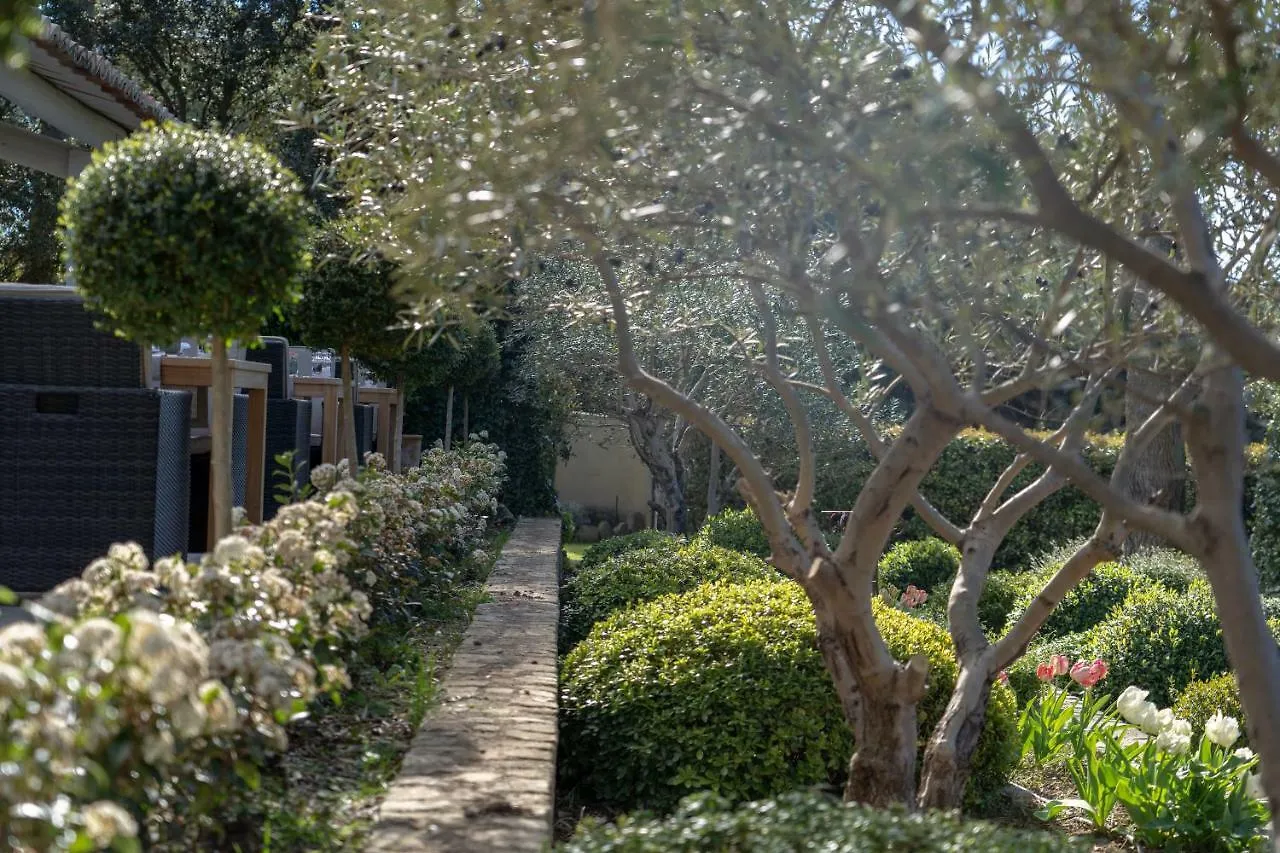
(480, 773)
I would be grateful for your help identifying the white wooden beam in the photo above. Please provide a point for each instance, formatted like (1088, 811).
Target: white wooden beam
(40, 98)
(42, 153)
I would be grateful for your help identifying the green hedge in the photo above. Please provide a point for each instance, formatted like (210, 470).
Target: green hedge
(964, 473)
(1266, 528)
(808, 821)
(596, 591)
(610, 548)
(1089, 604)
(738, 530)
(1200, 700)
(723, 688)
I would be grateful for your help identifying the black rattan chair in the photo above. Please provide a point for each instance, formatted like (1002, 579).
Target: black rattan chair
(288, 421)
(82, 468)
(89, 456)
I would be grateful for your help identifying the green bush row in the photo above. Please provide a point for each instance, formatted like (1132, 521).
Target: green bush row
(965, 472)
(808, 821)
(1160, 639)
(723, 688)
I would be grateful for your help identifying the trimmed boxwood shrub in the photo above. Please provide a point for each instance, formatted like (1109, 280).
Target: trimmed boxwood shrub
(808, 820)
(1200, 700)
(723, 688)
(738, 530)
(998, 600)
(609, 548)
(1175, 570)
(1089, 604)
(1161, 640)
(930, 564)
(596, 591)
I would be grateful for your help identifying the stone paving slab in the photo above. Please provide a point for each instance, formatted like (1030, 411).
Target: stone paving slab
(480, 773)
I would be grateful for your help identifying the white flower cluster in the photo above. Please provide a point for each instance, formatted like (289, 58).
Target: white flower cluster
(144, 677)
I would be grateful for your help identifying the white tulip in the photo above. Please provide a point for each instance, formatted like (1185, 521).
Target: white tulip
(1222, 730)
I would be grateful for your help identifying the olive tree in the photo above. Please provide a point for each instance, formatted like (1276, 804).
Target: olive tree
(884, 197)
(349, 305)
(175, 232)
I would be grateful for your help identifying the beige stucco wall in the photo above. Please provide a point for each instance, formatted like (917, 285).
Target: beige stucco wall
(603, 469)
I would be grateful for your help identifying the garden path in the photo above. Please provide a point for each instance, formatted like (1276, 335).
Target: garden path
(480, 774)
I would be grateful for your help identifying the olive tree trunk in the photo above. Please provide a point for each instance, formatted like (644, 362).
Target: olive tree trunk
(648, 429)
(349, 448)
(1217, 441)
(1159, 472)
(221, 402)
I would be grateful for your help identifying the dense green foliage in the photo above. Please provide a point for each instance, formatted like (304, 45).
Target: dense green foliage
(1161, 639)
(723, 688)
(957, 483)
(998, 600)
(1200, 700)
(929, 564)
(1266, 528)
(737, 529)
(524, 408)
(1089, 603)
(598, 590)
(176, 232)
(618, 545)
(807, 821)
(348, 301)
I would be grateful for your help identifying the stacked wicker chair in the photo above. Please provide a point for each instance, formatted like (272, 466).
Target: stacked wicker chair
(88, 454)
(288, 421)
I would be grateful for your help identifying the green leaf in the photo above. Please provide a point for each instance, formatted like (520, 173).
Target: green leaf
(248, 773)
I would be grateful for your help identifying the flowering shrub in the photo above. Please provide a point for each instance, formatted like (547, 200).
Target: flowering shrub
(1178, 795)
(151, 694)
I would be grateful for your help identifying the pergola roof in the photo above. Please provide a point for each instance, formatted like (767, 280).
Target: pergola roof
(77, 92)
(90, 79)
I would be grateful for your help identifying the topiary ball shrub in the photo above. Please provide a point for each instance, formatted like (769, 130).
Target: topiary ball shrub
(723, 688)
(811, 821)
(930, 564)
(176, 232)
(597, 591)
(737, 530)
(610, 548)
(1089, 603)
(1200, 700)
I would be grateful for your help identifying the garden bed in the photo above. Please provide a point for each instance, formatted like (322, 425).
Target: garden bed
(324, 794)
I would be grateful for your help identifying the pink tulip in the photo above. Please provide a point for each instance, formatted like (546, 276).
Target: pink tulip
(1060, 665)
(914, 596)
(1044, 672)
(1087, 674)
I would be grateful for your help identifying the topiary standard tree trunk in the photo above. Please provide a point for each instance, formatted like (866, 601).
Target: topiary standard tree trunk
(221, 401)
(448, 421)
(349, 448)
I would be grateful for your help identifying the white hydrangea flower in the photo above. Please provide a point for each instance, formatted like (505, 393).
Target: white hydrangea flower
(12, 681)
(1222, 730)
(22, 641)
(220, 708)
(105, 821)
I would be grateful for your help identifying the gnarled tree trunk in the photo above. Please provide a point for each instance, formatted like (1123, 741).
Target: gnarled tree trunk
(648, 430)
(1159, 471)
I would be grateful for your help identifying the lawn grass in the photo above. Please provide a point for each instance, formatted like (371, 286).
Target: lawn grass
(574, 550)
(323, 795)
